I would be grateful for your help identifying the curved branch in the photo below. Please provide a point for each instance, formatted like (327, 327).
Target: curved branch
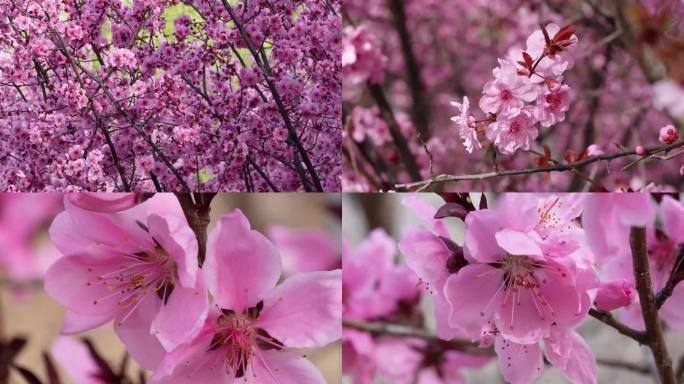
(608, 319)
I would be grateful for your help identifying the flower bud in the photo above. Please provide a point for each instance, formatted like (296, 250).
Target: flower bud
(615, 294)
(668, 134)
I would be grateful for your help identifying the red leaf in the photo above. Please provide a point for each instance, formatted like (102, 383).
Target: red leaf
(546, 34)
(564, 33)
(547, 151)
(528, 60)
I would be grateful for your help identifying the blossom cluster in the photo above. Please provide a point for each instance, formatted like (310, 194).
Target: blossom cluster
(533, 75)
(170, 96)
(230, 318)
(406, 63)
(520, 283)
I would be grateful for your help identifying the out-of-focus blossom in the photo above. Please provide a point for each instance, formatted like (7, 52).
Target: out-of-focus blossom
(465, 123)
(73, 356)
(668, 134)
(305, 250)
(668, 95)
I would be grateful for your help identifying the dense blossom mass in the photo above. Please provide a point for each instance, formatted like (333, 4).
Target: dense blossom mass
(476, 93)
(113, 95)
(518, 282)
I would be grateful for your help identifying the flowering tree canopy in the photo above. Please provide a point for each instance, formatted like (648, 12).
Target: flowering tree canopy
(167, 95)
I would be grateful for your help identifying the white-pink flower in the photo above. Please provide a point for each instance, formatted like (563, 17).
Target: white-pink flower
(552, 105)
(122, 58)
(512, 131)
(509, 90)
(465, 123)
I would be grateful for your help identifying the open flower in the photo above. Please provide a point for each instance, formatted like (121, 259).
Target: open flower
(552, 105)
(137, 267)
(255, 323)
(465, 123)
(508, 90)
(513, 131)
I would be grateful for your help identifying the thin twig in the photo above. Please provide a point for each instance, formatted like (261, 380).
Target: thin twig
(654, 332)
(527, 171)
(608, 319)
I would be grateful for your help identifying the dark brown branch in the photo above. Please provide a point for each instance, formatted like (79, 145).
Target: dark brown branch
(634, 367)
(196, 208)
(398, 138)
(608, 319)
(675, 277)
(419, 110)
(654, 332)
(528, 171)
(262, 62)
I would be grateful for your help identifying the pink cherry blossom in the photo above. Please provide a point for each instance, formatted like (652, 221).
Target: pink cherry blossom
(615, 294)
(508, 90)
(373, 285)
(465, 123)
(137, 267)
(528, 270)
(668, 134)
(255, 324)
(361, 59)
(552, 105)
(512, 131)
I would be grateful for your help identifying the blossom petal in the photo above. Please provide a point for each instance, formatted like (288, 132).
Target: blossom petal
(575, 359)
(74, 323)
(519, 363)
(673, 218)
(479, 243)
(278, 367)
(518, 243)
(179, 241)
(426, 254)
(134, 331)
(474, 295)
(305, 311)
(241, 264)
(183, 315)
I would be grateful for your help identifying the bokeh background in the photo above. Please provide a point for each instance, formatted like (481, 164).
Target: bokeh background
(27, 311)
(364, 212)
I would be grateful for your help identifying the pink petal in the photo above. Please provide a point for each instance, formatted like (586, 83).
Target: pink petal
(673, 218)
(426, 255)
(518, 243)
(183, 315)
(305, 311)
(442, 311)
(280, 367)
(479, 243)
(64, 237)
(72, 281)
(103, 201)
(474, 296)
(426, 212)
(179, 241)
(74, 357)
(134, 331)
(397, 359)
(241, 264)
(76, 323)
(305, 250)
(519, 363)
(634, 209)
(522, 318)
(193, 364)
(575, 359)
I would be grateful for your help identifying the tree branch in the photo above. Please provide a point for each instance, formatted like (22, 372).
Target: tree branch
(196, 208)
(527, 171)
(654, 332)
(608, 319)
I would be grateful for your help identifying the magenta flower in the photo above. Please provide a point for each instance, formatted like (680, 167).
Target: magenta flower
(527, 271)
(465, 123)
(513, 131)
(248, 336)
(137, 267)
(615, 294)
(668, 134)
